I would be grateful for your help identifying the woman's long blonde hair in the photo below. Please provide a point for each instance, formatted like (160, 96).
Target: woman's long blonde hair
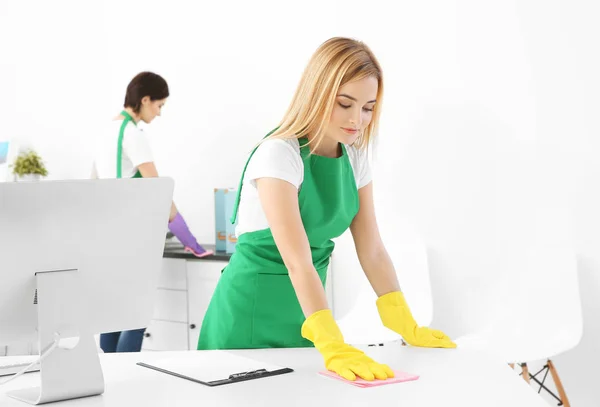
(336, 62)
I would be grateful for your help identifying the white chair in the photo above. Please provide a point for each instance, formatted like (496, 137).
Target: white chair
(355, 306)
(535, 314)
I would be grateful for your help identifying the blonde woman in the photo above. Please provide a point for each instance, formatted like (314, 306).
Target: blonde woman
(305, 184)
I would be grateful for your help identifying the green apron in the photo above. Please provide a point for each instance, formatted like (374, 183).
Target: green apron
(127, 119)
(254, 304)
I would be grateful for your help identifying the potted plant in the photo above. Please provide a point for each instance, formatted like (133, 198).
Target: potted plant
(29, 166)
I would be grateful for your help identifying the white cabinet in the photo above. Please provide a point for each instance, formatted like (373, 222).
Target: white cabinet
(173, 275)
(184, 291)
(171, 305)
(202, 281)
(168, 328)
(166, 335)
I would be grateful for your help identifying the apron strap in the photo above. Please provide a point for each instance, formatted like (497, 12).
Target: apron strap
(239, 190)
(127, 119)
(304, 153)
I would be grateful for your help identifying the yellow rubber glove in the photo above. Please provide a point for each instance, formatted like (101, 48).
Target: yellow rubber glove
(345, 360)
(396, 315)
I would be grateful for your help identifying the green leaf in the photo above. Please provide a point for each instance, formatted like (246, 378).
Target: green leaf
(29, 162)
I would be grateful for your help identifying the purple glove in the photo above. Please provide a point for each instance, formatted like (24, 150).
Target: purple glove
(180, 229)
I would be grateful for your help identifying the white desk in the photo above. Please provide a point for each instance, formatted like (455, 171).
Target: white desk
(448, 378)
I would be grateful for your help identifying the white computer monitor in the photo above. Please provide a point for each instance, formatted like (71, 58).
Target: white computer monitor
(78, 258)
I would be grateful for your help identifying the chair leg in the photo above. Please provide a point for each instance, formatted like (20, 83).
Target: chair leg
(525, 372)
(558, 383)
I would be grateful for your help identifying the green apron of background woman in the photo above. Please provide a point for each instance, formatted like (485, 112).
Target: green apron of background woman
(126, 120)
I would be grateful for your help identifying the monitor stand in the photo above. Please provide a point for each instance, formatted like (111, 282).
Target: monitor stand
(65, 373)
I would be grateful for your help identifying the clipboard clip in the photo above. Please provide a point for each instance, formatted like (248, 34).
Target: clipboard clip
(251, 373)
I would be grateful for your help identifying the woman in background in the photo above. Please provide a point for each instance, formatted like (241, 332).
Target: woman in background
(124, 152)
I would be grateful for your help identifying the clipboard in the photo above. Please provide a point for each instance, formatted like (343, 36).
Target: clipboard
(215, 368)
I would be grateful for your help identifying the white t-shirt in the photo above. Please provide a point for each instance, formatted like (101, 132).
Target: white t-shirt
(136, 150)
(279, 158)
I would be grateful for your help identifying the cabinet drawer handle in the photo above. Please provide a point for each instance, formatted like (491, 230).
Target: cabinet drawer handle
(193, 326)
(147, 334)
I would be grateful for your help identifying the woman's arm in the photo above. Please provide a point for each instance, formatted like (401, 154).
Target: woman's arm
(148, 170)
(279, 200)
(177, 224)
(373, 257)
(391, 304)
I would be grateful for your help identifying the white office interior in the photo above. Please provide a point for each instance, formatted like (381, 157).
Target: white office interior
(485, 176)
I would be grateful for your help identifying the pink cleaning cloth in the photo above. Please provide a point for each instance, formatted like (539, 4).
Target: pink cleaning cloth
(398, 378)
(206, 253)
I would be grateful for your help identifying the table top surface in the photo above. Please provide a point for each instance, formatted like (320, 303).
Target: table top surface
(448, 377)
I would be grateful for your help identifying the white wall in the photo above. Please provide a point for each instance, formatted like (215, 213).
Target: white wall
(488, 139)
